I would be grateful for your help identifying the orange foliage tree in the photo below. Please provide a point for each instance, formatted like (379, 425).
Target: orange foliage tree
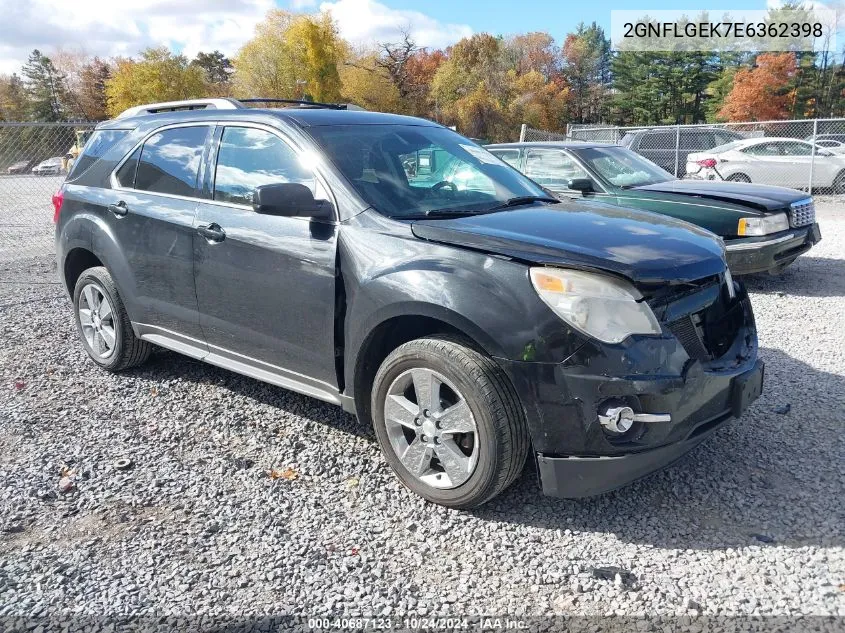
(762, 93)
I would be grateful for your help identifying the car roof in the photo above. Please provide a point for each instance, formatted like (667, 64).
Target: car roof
(552, 144)
(302, 116)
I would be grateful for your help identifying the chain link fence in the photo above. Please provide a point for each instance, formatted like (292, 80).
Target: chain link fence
(34, 159)
(804, 154)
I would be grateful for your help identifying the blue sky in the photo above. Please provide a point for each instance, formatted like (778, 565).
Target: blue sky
(558, 18)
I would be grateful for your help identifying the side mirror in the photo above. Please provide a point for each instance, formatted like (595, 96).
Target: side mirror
(289, 199)
(584, 185)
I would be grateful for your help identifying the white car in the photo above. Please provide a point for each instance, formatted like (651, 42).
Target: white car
(49, 167)
(770, 161)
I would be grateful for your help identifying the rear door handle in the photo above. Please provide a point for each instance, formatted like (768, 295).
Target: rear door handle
(212, 232)
(120, 209)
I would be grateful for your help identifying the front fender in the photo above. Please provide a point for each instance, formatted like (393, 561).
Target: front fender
(488, 298)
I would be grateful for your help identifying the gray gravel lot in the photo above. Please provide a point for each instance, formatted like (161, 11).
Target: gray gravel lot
(750, 523)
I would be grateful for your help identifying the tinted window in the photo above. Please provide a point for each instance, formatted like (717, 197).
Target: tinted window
(249, 158)
(697, 140)
(724, 136)
(551, 167)
(99, 142)
(126, 174)
(170, 161)
(657, 140)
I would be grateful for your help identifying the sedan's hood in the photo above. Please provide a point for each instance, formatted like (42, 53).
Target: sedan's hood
(644, 247)
(760, 197)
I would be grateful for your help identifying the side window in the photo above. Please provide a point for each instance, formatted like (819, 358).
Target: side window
(510, 156)
(98, 143)
(723, 137)
(696, 140)
(249, 158)
(170, 161)
(796, 149)
(763, 149)
(551, 167)
(657, 140)
(126, 174)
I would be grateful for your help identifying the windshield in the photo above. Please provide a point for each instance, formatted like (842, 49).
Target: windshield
(406, 171)
(622, 167)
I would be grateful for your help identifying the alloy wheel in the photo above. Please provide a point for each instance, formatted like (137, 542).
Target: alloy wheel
(97, 320)
(431, 428)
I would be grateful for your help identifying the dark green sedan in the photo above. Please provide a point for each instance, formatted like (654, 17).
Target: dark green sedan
(765, 228)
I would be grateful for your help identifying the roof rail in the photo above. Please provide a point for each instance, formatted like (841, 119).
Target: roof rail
(224, 103)
(305, 104)
(187, 104)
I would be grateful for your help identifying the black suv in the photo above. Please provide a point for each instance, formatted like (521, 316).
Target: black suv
(669, 148)
(472, 321)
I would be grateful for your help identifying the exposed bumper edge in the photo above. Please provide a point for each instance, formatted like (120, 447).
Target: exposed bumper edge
(578, 477)
(750, 246)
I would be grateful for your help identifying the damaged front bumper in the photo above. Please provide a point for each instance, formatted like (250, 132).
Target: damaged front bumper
(687, 398)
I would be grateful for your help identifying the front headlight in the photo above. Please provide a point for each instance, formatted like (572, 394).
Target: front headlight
(605, 308)
(763, 226)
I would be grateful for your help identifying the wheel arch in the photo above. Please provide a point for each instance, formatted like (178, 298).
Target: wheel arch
(399, 325)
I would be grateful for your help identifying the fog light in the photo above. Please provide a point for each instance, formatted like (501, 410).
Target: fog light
(617, 420)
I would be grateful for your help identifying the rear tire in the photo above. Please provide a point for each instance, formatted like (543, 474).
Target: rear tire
(738, 178)
(839, 183)
(103, 325)
(448, 421)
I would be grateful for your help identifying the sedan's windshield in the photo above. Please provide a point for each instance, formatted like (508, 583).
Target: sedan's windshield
(407, 171)
(622, 167)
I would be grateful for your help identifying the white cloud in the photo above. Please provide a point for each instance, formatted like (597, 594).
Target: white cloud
(107, 28)
(366, 21)
(110, 27)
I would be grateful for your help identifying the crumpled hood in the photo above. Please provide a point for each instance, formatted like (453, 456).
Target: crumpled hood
(760, 197)
(644, 247)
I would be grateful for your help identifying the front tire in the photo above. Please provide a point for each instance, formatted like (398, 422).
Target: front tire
(449, 421)
(103, 325)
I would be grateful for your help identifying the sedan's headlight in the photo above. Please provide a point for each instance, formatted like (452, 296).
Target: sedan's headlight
(763, 226)
(605, 308)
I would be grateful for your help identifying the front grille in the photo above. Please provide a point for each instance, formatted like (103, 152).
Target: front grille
(705, 320)
(802, 213)
(687, 333)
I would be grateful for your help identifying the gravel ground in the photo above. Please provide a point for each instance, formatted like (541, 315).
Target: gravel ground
(750, 523)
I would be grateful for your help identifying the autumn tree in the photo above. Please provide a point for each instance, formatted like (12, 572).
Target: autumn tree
(291, 56)
(91, 94)
(586, 65)
(762, 93)
(13, 106)
(367, 84)
(421, 68)
(158, 75)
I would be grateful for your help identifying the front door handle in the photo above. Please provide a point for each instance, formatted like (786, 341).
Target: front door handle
(119, 210)
(212, 232)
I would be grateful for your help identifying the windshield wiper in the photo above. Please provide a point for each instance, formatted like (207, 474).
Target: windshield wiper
(520, 200)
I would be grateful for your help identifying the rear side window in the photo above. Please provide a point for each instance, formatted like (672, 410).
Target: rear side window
(126, 174)
(170, 161)
(97, 145)
(657, 140)
(249, 158)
